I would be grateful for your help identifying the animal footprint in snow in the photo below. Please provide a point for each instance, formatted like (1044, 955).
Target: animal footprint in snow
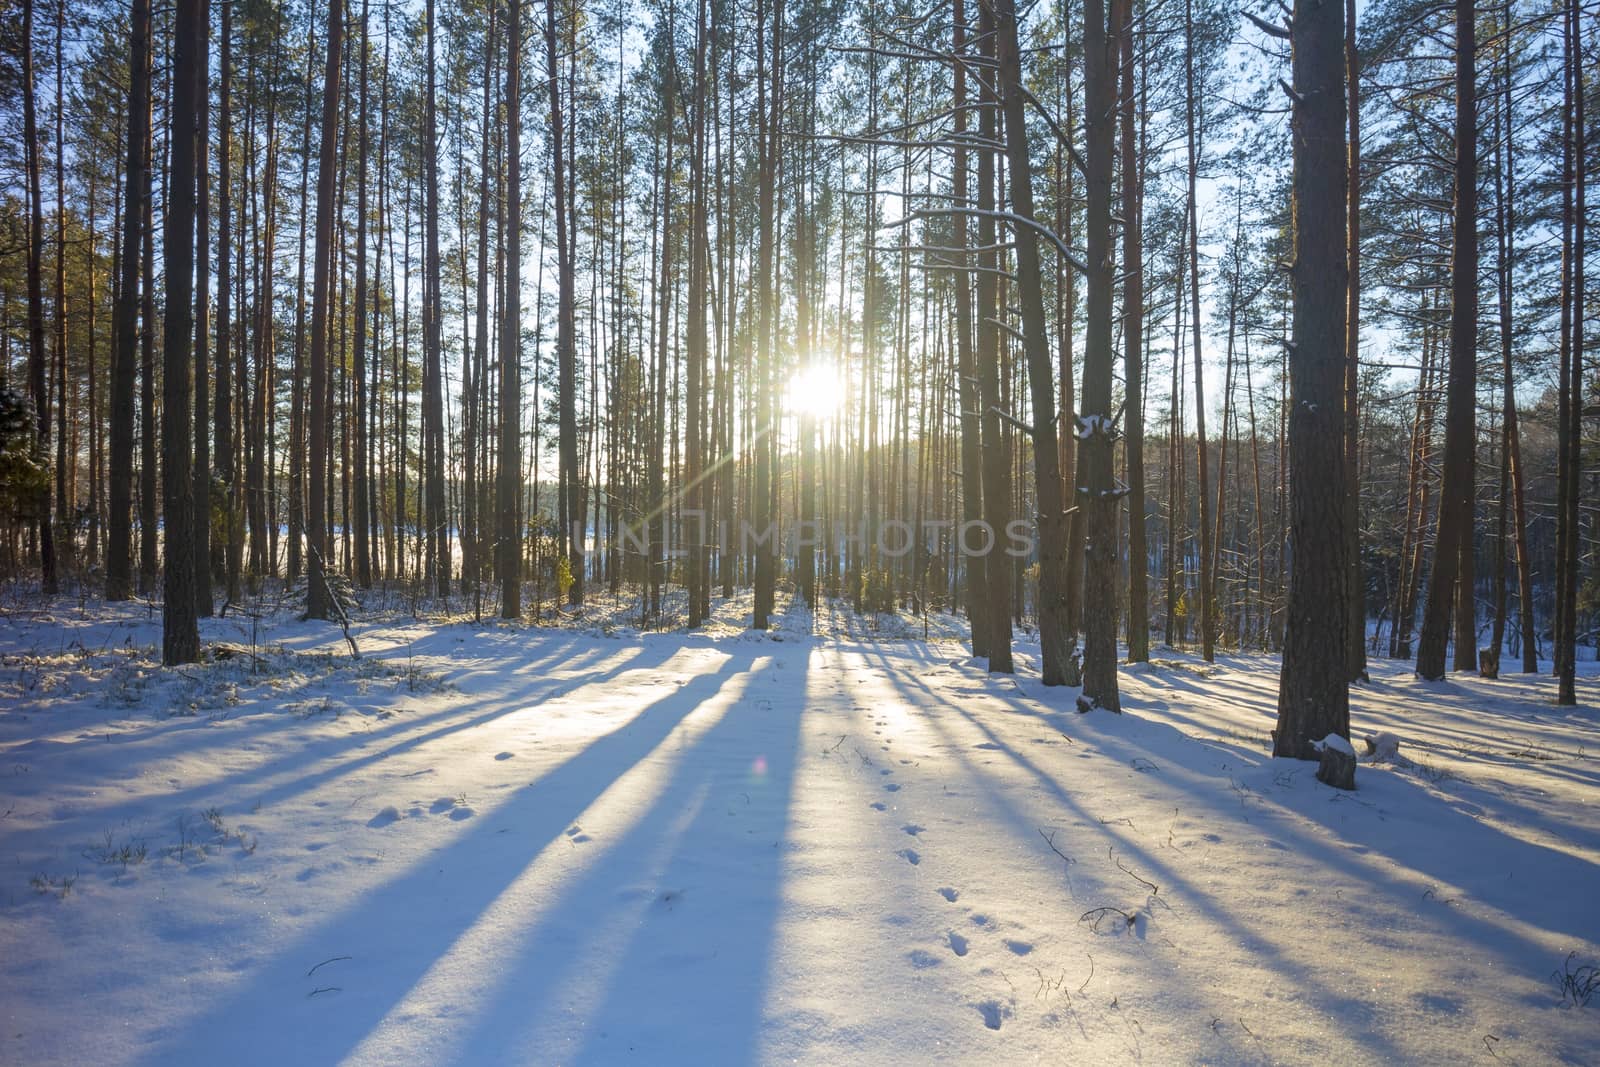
(958, 944)
(878, 805)
(385, 817)
(892, 787)
(912, 828)
(576, 835)
(1020, 948)
(992, 1013)
(910, 855)
(503, 755)
(922, 960)
(949, 894)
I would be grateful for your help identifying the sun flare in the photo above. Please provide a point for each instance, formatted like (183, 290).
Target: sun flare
(817, 391)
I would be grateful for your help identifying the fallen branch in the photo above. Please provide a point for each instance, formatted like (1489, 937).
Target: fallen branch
(1111, 851)
(1095, 916)
(324, 963)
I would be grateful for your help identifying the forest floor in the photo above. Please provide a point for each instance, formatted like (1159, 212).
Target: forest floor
(486, 844)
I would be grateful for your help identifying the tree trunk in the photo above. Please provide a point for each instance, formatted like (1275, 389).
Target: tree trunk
(508, 473)
(996, 463)
(566, 326)
(202, 326)
(318, 601)
(37, 374)
(436, 536)
(180, 637)
(1313, 688)
(1056, 639)
(1207, 605)
(770, 107)
(1452, 561)
(358, 363)
(1132, 352)
(1356, 583)
(974, 587)
(1098, 494)
(125, 317)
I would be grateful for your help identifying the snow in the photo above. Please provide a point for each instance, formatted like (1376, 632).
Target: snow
(490, 844)
(1335, 742)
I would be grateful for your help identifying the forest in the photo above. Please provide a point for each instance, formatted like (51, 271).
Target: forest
(501, 304)
(821, 531)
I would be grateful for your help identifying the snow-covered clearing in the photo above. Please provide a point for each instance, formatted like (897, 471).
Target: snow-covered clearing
(484, 845)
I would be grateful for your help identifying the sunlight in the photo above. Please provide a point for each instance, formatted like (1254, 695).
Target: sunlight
(817, 391)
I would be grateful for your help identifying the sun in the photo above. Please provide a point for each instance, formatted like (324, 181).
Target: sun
(817, 391)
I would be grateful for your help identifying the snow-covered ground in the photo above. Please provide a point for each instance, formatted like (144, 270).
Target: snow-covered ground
(484, 845)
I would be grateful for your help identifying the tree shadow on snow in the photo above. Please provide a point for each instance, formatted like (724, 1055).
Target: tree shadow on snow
(667, 932)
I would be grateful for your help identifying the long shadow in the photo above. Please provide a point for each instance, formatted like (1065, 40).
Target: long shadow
(1446, 845)
(397, 931)
(452, 719)
(675, 922)
(265, 718)
(1149, 863)
(1503, 796)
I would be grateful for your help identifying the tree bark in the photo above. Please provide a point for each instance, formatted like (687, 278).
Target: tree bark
(37, 373)
(1313, 688)
(180, 637)
(1056, 639)
(508, 473)
(566, 327)
(1356, 583)
(1133, 353)
(318, 601)
(1452, 562)
(974, 570)
(125, 316)
(996, 462)
(1098, 494)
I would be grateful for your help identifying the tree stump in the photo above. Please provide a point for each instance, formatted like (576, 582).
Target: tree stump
(1338, 767)
(1488, 663)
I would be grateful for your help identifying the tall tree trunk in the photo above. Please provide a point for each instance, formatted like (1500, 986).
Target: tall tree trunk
(1207, 605)
(473, 370)
(566, 324)
(694, 498)
(1132, 352)
(318, 600)
(1452, 561)
(66, 457)
(226, 447)
(1313, 688)
(1056, 639)
(996, 465)
(125, 316)
(180, 637)
(297, 382)
(436, 508)
(1570, 393)
(975, 585)
(148, 562)
(358, 362)
(508, 473)
(1513, 506)
(770, 105)
(37, 374)
(1097, 491)
(1356, 583)
(202, 327)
